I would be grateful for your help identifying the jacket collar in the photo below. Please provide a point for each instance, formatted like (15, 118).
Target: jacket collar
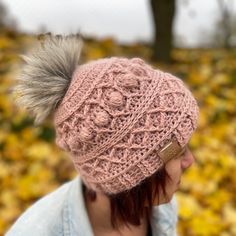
(76, 220)
(75, 217)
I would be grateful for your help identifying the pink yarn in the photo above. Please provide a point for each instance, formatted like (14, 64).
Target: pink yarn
(115, 113)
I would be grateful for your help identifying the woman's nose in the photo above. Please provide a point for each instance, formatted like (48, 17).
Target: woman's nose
(187, 160)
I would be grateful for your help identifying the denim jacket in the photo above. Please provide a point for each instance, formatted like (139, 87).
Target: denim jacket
(63, 213)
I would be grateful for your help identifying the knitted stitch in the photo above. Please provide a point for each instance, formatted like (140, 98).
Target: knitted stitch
(116, 114)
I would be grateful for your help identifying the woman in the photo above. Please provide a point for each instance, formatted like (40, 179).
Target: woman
(126, 127)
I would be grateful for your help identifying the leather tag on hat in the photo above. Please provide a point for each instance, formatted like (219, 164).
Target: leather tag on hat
(171, 150)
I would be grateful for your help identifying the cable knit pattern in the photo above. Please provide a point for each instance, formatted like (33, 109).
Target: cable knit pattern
(116, 114)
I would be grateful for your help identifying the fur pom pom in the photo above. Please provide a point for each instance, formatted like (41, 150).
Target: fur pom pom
(47, 73)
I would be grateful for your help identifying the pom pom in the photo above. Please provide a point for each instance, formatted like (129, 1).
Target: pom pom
(46, 74)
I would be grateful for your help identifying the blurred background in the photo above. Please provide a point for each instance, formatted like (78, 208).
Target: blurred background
(195, 40)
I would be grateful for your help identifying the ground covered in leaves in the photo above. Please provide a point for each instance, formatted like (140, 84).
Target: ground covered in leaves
(31, 165)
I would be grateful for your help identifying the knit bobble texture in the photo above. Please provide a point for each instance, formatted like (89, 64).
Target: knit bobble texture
(129, 81)
(101, 118)
(85, 134)
(115, 116)
(115, 99)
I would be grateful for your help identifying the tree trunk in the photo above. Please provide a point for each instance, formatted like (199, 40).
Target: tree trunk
(163, 12)
(226, 9)
(2, 15)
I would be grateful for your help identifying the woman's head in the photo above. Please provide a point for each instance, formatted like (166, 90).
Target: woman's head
(175, 168)
(120, 119)
(130, 206)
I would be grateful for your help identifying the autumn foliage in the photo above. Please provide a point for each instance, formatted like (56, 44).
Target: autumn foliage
(31, 165)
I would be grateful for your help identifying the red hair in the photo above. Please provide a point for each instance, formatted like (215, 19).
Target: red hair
(131, 205)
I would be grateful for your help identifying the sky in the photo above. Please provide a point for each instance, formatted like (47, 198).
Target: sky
(127, 21)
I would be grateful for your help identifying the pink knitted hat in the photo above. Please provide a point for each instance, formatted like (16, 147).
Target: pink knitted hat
(117, 118)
